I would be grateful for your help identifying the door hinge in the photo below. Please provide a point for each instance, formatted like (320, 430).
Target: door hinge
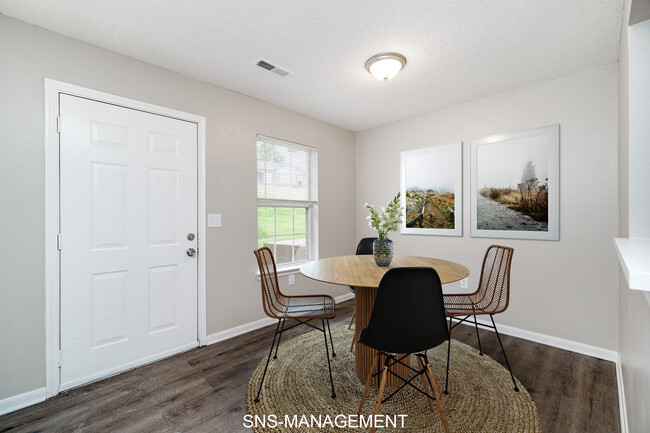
(59, 360)
(58, 124)
(58, 241)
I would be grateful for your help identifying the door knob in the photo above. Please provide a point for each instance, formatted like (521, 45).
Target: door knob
(191, 252)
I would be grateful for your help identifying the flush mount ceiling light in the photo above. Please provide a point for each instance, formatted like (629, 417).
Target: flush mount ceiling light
(385, 66)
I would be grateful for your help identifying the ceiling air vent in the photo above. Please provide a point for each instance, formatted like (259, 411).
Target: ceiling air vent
(272, 68)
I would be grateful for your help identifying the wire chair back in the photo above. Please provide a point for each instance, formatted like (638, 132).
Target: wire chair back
(273, 300)
(493, 294)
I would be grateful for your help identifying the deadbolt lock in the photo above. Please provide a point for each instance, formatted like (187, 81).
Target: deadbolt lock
(190, 236)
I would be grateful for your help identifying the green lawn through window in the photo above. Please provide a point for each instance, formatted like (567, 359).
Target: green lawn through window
(283, 219)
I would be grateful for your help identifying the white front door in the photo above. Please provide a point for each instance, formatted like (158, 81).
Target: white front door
(128, 215)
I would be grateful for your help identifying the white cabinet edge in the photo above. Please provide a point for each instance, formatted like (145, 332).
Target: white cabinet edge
(634, 255)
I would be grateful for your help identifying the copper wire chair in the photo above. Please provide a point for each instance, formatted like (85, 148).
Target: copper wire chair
(491, 297)
(303, 309)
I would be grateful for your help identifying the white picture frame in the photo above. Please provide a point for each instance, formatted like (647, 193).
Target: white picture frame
(432, 177)
(512, 176)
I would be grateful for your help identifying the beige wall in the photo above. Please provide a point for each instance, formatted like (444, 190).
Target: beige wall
(566, 288)
(28, 54)
(634, 307)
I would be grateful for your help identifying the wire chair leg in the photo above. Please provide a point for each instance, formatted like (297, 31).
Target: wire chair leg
(329, 365)
(448, 353)
(331, 340)
(478, 337)
(268, 358)
(504, 353)
(279, 337)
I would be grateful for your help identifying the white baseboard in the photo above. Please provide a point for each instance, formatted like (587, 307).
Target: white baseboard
(621, 395)
(238, 330)
(344, 298)
(252, 326)
(22, 400)
(561, 343)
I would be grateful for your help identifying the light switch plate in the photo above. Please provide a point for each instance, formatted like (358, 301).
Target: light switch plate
(214, 220)
(292, 279)
(463, 283)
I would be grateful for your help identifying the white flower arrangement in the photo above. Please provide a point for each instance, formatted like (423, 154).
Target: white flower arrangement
(387, 218)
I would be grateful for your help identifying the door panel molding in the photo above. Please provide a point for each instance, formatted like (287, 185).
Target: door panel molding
(52, 223)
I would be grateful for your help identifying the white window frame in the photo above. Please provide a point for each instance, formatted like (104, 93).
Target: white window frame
(311, 209)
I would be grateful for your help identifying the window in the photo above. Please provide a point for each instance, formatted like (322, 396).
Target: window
(286, 200)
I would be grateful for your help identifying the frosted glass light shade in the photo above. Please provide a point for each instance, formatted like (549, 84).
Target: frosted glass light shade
(385, 66)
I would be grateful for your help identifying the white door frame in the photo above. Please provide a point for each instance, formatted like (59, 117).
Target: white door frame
(52, 257)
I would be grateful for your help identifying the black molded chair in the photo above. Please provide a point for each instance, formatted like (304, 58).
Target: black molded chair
(408, 318)
(364, 248)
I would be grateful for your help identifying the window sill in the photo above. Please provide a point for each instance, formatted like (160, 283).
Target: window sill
(283, 271)
(634, 255)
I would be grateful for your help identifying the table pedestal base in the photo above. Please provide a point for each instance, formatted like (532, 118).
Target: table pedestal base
(363, 302)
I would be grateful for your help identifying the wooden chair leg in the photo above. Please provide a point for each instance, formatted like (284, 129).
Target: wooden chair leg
(438, 402)
(352, 319)
(380, 396)
(354, 313)
(368, 380)
(425, 383)
(354, 338)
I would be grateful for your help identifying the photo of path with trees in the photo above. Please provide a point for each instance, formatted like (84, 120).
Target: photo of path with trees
(514, 195)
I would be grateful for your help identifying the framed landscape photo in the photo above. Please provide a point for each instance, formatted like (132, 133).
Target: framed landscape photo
(515, 185)
(432, 190)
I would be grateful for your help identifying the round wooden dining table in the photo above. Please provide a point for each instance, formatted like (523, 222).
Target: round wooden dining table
(364, 275)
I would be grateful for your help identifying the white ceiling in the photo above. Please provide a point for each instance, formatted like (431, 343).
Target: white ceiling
(457, 50)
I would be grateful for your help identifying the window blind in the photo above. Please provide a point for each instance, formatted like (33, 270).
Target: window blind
(286, 173)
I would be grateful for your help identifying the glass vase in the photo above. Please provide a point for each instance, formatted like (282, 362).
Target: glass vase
(382, 251)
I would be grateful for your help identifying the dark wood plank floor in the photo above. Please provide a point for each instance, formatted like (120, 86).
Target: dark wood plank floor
(204, 389)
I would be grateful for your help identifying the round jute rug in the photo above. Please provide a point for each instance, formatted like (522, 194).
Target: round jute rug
(297, 388)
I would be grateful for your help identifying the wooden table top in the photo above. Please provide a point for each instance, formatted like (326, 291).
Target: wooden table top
(361, 271)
